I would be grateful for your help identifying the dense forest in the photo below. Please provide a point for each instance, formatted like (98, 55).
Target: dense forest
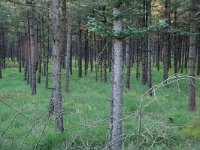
(99, 74)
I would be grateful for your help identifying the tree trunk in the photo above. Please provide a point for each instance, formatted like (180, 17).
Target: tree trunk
(166, 46)
(138, 60)
(91, 51)
(26, 62)
(128, 63)
(20, 55)
(57, 67)
(64, 32)
(105, 62)
(158, 56)
(79, 44)
(29, 81)
(32, 50)
(175, 43)
(116, 86)
(47, 57)
(198, 50)
(86, 52)
(192, 56)
(67, 67)
(4, 45)
(149, 42)
(144, 48)
(1, 50)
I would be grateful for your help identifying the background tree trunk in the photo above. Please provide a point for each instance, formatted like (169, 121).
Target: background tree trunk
(67, 67)
(192, 56)
(166, 45)
(128, 63)
(32, 50)
(149, 47)
(79, 46)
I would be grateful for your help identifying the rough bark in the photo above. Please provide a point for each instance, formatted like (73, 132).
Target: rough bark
(165, 46)
(116, 86)
(29, 81)
(91, 52)
(144, 47)
(105, 63)
(1, 50)
(32, 50)
(64, 31)
(191, 63)
(175, 43)
(47, 58)
(67, 63)
(198, 50)
(57, 67)
(198, 63)
(25, 62)
(79, 46)
(20, 55)
(149, 47)
(128, 63)
(138, 60)
(158, 56)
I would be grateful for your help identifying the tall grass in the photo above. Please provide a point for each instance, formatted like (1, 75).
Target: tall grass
(166, 122)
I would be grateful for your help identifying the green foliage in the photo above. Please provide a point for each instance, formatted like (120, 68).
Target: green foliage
(101, 29)
(180, 31)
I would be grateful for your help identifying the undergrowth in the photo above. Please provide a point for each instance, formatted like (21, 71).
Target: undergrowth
(166, 122)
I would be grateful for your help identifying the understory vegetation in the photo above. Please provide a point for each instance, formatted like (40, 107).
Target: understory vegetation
(161, 121)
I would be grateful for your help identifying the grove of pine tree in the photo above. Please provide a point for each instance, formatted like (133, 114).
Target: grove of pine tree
(105, 39)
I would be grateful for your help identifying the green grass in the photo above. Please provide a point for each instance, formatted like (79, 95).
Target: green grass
(166, 122)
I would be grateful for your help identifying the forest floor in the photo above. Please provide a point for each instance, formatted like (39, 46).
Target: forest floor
(166, 122)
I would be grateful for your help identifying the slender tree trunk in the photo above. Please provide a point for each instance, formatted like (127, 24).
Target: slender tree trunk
(1, 50)
(101, 44)
(32, 53)
(26, 61)
(116, 86)
(198, 50)
(166, 46)
(183, 53)
(175, 43)
(4, 46)
(144, 48)
(149, 47)
(158, 56)
(20, 55)
(39, 49)
(47, 57)
(128, 63)
(57, 67)
(71, 56)
(138, 60)
(29, 81)
(79, 44)
(180, 53)
(64, 32)
(0, 69)
(105, 62)
(67, 64)
(111, 101)
(91, 52)
(86, 53)
(192, 56)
